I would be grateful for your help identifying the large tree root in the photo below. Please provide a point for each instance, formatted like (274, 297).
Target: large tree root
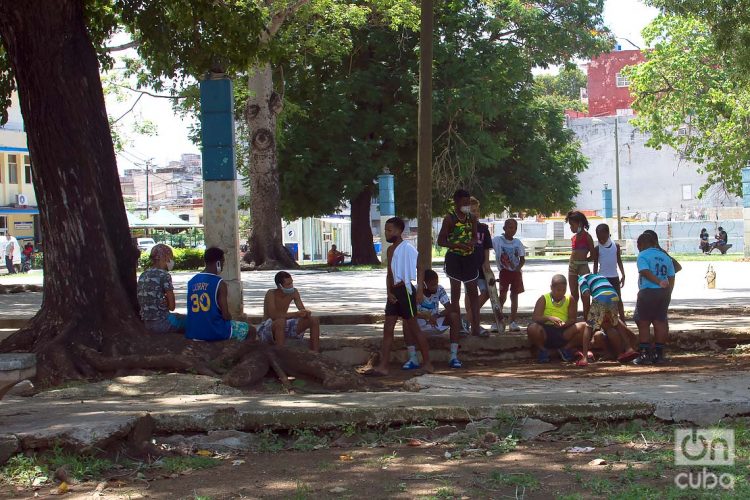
(82, 349)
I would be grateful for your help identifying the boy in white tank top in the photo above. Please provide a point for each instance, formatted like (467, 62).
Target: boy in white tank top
(607, 259)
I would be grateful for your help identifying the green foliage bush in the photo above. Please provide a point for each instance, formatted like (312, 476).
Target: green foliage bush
(185, 259)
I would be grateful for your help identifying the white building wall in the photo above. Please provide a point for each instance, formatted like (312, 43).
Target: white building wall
(655, 184)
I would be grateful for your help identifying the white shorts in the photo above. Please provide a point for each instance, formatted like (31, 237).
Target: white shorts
(428, 328)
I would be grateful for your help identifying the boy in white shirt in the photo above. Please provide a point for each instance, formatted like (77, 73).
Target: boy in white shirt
(403, 298)
(607, 258)
(432, 320)
(510, 256)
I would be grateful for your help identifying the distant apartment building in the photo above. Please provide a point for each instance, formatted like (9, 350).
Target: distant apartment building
(19, 214)
(608, 89)
(178, 186)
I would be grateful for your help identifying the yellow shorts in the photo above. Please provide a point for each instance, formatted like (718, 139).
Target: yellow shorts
(601, 313)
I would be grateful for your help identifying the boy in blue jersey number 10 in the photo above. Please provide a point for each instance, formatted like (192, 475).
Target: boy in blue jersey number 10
(208, 315)
(655, 281)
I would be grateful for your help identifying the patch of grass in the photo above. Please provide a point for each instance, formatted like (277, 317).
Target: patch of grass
(307, 440)
(637, 492)
(181, 464)
(504, 445)
(654, 456)
(80, 467)
(269, 442)
(443, 493)
(429, 423)
(302, 491)
(349, 429)
(571, 496)
(381, 462)
(506, 419)
(600, 486)
(604, 434)
(498, 479)
(21, 470)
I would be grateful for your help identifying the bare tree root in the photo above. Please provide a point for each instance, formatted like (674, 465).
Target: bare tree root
(273, 360)
(178, 363)
(331, 374)
(253, 367)
(80, 351)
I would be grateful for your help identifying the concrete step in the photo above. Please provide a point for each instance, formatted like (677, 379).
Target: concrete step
(355, 344)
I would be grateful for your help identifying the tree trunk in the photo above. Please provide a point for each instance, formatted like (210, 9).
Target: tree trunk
(363, 251)
(89, 260)
(265, 246)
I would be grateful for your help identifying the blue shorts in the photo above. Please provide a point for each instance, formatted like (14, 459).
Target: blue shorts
(173, 323)
(239, 331)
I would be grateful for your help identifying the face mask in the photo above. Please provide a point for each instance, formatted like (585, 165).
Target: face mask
(466, 210)
(579, 230)
(392, 239)
(218, 266)
(288, 291)
(170, 264)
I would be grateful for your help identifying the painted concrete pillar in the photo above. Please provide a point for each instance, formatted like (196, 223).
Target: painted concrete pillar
(746, 207)
(387, 204)
(606, 202)
(220, 218)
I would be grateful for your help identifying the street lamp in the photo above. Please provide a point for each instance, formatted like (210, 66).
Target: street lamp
(617, 174)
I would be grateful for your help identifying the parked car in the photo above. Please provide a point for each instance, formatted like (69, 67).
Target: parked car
(144, 244)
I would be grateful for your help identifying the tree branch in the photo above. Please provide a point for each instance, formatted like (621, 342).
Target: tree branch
(277, 20)
(161, 96)
(124, 46)
(129, 110)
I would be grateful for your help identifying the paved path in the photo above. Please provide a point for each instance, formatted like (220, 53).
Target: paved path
(361, 292)
(91, 417)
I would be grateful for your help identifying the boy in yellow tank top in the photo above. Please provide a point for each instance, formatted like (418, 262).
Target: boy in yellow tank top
(554, 323)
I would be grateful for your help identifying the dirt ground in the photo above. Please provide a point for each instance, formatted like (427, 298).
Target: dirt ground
(703, 362)
(633, 462)
(638, 456)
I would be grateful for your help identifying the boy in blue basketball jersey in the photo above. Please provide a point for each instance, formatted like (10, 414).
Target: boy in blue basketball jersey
(655, 282)
(207, 307)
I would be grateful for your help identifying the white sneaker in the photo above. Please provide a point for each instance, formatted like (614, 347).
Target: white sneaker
(514, 327)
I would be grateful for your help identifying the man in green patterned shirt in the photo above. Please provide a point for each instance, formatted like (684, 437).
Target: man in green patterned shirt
(458, 235)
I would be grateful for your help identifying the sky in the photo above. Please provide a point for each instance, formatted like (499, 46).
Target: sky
(625, 18)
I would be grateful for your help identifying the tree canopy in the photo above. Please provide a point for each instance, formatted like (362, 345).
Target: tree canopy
(727, 21)
(563, 88)
(348, 121)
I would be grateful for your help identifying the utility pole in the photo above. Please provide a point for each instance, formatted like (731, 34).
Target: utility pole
(148, 197)
(617, 181)
(424, 149)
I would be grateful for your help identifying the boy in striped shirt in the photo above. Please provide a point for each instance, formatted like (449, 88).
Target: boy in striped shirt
(602, 314)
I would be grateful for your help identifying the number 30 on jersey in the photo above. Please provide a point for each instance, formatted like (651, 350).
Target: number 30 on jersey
(200, 302)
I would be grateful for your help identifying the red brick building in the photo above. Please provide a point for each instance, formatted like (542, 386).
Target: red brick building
(608, 92)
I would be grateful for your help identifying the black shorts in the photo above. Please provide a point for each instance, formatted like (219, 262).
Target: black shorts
(652, 304)
(615, 282)
(406, 304)
(555, 338)
(461, 268)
